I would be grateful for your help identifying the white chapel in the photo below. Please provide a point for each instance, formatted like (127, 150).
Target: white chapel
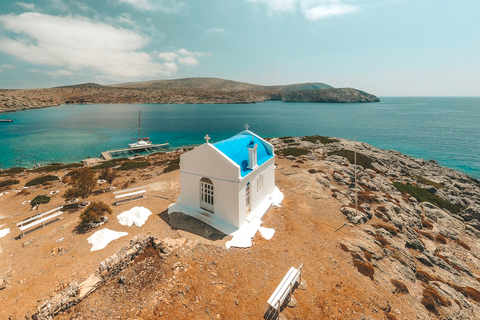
(227, 183)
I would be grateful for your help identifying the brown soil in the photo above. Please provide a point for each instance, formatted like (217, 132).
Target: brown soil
(201, 279)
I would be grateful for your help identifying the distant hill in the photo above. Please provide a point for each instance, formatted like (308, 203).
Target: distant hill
(178, 91)
(218, 85)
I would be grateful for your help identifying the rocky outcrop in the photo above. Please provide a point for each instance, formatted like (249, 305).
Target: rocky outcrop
(430, 249)
(337, 95)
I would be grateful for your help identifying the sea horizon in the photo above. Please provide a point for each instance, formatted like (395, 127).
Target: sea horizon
(439, 128)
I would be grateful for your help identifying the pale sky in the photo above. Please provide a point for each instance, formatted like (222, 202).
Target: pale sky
(384, 47)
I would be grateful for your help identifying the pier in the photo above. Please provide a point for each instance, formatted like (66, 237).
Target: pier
(108, 155)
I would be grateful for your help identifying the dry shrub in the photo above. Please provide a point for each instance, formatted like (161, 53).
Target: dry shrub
(390, 228)
(427, 224)
(312, 171)
(367, 255)
(344, 247)
(440, 239)
(442, 257)
(364, 268)
(381, 239)
(432, 299)
(463, 244)
(367, 197)
(382, 209)
(426, 234)
(473, 293)
(425, 277)
(379, 215)
(399, 286)
(379, 171)
(24, 192)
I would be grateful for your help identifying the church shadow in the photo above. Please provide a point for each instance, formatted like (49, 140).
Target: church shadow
(181, 222)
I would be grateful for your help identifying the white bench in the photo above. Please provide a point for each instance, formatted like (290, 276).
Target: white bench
(125, 196)
(39, 219)
(284, 289)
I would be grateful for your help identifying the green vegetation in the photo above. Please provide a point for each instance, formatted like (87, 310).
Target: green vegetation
(6, 183)
(11, 171)
(109, 163)
(294, 152)
(425, 181)
(94, 211)
(422, 195)
(322, 139)
(362, 159)
(134, 165)
(172, 165)
(38, 200)
(40, 180)
(53, 167)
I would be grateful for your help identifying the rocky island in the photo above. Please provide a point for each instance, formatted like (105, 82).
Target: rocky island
(190, 90)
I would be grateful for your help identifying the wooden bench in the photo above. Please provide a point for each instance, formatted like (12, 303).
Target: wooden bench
(125, 196)
(285, 288)
(39, 219)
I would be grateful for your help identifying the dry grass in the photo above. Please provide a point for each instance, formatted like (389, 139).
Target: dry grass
(427, 224)
(390, 228)
(390, 316)
(383, 242)
(367, 197)
(379, 215)
(432, 300)
(364, 268)
(440, 239)
(367, 255)
(382, 209)
(463, 244)
(425, 234)
(425, 276)
(400, 287)
(473, 293)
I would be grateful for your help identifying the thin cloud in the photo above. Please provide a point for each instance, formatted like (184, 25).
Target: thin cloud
(182, 56)
(168, 6)
(215, 30)
(6, 66)
(76, 44)
(311, 9)
(27, 6)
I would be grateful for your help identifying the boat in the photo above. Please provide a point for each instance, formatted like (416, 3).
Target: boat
(6, 120)
(141, 142)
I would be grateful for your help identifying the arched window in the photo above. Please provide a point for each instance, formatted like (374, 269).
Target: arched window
(206, 194)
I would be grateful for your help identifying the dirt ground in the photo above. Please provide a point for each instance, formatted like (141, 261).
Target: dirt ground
(201, 279)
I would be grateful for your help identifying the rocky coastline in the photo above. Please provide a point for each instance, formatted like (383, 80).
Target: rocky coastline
(181, 91)
(430, 248)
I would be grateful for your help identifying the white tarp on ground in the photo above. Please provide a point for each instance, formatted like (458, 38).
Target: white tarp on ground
(137, 216)
(102, 238)
(242, 238)
(4, 232)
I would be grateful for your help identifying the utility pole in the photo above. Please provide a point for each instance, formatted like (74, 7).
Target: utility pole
(355, 156)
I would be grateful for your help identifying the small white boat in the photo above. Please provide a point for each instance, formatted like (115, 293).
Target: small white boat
(141, 142)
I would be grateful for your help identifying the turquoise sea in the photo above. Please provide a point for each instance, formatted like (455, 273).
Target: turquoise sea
(444, 129)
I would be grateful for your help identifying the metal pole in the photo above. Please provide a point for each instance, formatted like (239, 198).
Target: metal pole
(356, 203)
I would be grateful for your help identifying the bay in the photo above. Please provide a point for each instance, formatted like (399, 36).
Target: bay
(444, 129)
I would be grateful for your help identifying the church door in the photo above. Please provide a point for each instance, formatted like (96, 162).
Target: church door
(247, 197)
(206, 191)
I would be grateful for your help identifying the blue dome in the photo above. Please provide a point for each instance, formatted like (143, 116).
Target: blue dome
(236, 149)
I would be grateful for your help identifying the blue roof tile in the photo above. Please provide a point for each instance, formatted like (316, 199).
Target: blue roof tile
(236, 149)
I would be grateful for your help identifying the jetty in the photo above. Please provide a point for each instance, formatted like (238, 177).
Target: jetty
(108, 155)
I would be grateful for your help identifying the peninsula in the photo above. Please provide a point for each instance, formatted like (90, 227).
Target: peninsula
(177, 91)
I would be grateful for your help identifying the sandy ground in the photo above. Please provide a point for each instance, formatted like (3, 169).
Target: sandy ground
(202, 279)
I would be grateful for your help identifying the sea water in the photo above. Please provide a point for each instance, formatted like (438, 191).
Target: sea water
(444, 129)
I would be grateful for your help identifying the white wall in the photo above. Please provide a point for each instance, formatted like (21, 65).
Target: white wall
(268, 171)
(205, 161)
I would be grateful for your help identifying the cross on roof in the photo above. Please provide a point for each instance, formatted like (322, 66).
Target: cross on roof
(207, 138)
(247, 126)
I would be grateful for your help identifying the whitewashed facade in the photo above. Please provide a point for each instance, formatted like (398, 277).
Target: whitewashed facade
(229, 182)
